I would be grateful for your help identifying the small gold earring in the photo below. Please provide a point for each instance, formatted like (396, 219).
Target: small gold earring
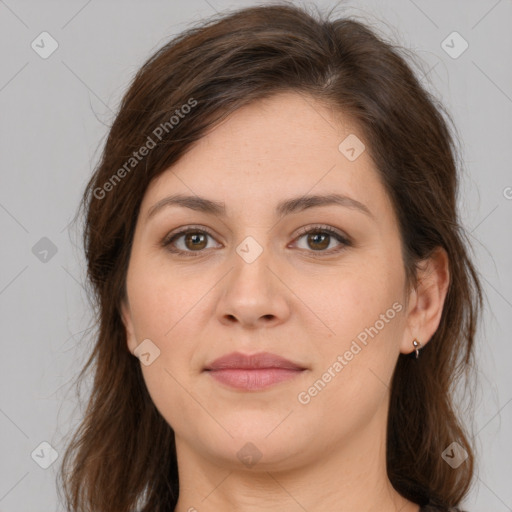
(417, 347)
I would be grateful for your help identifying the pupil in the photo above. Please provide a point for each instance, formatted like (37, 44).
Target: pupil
(325, 238)
(195, 237)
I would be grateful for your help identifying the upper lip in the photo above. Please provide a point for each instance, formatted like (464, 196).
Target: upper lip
(254, 361)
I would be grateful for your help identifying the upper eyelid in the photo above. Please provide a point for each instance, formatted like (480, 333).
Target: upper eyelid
(320, 228)
(184, 229)
(305, 229)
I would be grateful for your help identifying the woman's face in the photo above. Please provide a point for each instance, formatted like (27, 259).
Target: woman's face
(250, 279)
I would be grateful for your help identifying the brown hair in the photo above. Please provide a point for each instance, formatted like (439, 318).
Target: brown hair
(122, 456)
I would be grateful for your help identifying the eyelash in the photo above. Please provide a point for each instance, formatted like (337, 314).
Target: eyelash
(169, 239)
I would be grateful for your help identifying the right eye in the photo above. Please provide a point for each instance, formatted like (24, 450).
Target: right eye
(193, 241)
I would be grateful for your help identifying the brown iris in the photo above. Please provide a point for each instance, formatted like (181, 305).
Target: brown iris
(195, 239)
(323, 244)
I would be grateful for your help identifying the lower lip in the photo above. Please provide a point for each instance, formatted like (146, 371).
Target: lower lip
(253, 380)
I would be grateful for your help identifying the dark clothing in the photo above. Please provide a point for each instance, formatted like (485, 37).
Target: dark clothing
(433, 508)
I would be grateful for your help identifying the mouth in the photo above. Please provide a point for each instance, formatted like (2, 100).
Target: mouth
(253, 372)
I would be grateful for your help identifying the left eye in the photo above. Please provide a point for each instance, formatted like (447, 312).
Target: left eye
(320, 239)
(196, 240)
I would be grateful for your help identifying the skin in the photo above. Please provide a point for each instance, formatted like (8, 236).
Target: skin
(328, 454)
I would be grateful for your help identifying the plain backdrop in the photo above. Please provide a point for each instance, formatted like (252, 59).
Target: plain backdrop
(54, 115)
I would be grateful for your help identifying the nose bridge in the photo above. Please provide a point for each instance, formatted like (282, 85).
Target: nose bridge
(252, 259)
(252, 290)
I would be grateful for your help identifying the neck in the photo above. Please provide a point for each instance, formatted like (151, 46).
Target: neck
(348, 479)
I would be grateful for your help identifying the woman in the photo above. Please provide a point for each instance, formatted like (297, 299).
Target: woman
(285, 297)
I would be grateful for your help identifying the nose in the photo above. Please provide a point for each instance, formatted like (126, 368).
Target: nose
(254, 293)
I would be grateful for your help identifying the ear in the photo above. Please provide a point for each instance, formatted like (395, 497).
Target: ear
(126, 316)
(426, 301)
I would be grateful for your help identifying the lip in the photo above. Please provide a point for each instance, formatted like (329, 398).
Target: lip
(237, 360)
(253, 372)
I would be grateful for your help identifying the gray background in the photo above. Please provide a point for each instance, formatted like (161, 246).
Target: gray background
(55, 114)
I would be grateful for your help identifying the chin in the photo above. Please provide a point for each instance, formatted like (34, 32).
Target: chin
(257, 455)
(259, 447)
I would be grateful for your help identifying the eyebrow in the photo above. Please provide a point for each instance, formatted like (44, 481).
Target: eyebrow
(287, 207)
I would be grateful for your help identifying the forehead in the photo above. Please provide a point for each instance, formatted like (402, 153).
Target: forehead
(272, 149)
(286, 126)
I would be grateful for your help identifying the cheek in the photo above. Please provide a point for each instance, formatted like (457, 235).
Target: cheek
(158, 297)
(159, 308)
(159, 304)
(355, 299)
(351, 379)
(363, 313)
